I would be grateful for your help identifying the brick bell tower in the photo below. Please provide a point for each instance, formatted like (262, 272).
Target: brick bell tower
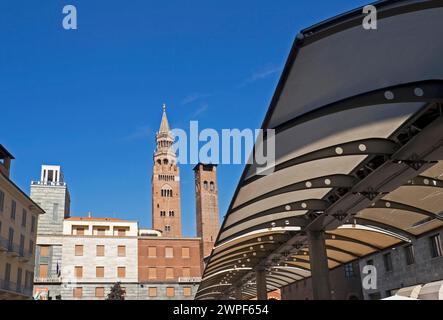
(166, 215)
(206, 195)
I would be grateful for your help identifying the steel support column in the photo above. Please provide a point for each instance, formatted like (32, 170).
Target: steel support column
(262, 292)
(319, 265)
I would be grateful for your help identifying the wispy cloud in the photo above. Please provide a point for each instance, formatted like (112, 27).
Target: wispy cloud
(140, 132)
(194, 97)
(261, 74)
(203, 107)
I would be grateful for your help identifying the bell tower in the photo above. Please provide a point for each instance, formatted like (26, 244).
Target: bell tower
(206, 195)
(166, 215)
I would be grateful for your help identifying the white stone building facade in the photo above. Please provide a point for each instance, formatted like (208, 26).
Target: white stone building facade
(96, 253)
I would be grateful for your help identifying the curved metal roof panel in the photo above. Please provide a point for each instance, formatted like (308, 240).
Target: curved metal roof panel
(358, 127)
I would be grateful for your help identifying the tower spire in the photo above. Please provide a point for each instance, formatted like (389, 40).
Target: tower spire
(166, 215)
(164, 125)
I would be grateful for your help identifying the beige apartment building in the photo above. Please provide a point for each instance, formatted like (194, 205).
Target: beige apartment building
(18, 231)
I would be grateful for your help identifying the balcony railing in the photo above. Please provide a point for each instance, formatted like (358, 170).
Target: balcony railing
(14, 250)
(4, 243)
(48, 183)
(24, 256)
(48, 279)
(189, 279)
(16, 288)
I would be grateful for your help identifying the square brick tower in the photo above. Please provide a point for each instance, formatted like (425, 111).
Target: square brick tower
(206, 194)
(166, 215)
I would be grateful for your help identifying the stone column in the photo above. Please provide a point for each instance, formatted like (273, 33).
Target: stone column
(319, 265)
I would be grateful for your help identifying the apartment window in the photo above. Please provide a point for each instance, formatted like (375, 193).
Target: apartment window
(169, 273)
(13, 209)
(349, 271)
(152, 252)
(100, 272)
(152, 273)
(78, 293)
(387, 260)
(29, 276)
(78, 250)
(409, 254)
(185, 252)
(2, 201)
(170, 292)
(44, 251)
(121, 251)
(436, 248)
(19, 277)
(152, 291)
(78, 271)
(22, 245)
(101, 231)
(33, 222)
(121, 232)
(55, 211)
(100, 250)
(186, 272)
(121, 272)
(11, 239)
(24, 217)
(99, 292)
(80, 231)
(31, 247)
(167, 228)
(7, 273)
(187, 291)
(169, 252)
(43, 271)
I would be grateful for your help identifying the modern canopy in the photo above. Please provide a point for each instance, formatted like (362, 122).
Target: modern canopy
(358, 119)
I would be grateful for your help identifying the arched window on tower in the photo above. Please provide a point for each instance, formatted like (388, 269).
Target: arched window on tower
(166, 191)
(211, 186)
(165, 161)
(205, 185)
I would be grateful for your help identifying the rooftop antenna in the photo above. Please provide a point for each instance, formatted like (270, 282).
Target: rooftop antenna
(89, 214)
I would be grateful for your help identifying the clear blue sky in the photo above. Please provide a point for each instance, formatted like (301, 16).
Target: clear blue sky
(90, 99)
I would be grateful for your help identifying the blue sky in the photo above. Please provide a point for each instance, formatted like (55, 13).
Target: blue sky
(90, 99)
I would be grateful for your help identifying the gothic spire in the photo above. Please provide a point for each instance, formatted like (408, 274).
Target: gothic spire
(164, 125)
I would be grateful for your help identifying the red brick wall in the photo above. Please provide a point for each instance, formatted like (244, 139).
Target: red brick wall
(160, 262)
